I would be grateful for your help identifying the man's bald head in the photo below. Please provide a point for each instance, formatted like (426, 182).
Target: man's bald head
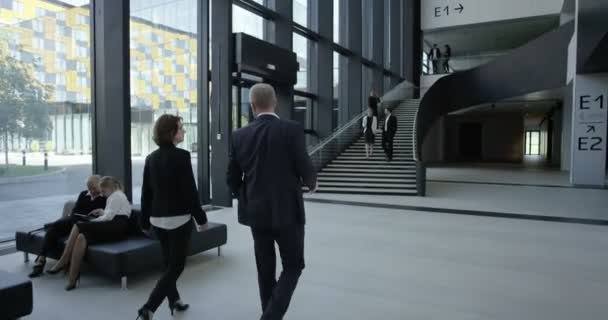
(262, 98)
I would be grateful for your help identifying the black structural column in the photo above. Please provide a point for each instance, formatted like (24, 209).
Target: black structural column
(280, 33)
(412, 42)
(221, 100)
(111, 92)
(321, 65)
(395, 40)
(377, 39)
(203, 102)
(353, 71)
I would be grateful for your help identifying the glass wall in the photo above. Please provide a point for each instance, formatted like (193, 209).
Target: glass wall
(300, 47)
(366, 21)
(163, 74)
(45, 109)
(247, 22)
(300, 12)
(336, 89)
(303, 109)
(337, 21)
(366, 86)
(46, 44)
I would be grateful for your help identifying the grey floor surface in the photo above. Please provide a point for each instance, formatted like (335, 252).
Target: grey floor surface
(377, 264)
(529, 200)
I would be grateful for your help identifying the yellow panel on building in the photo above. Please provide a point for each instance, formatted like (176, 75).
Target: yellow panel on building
(155, 102)
(181, 105)
(71, 79)
(180, 82)
(140, 87)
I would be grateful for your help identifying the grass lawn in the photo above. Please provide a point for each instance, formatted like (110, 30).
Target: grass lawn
(21, 171)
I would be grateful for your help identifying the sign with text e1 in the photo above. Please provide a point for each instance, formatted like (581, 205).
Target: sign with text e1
(589, 123)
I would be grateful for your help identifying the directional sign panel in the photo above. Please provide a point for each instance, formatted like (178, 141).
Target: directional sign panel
(448, 13)
(589, 119)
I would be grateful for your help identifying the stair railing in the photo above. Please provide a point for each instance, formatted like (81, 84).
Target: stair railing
(332, 146)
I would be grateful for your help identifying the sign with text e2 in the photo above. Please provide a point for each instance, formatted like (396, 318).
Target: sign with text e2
(589, 123)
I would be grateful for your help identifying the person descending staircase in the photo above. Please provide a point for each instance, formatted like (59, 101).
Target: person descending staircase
(352, 173)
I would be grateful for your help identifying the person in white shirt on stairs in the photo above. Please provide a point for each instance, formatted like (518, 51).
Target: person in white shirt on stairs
(370, 128)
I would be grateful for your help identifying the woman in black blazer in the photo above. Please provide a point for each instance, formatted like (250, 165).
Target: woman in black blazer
(169, 201)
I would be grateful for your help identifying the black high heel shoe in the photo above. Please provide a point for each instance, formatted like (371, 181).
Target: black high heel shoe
(73, 285)
(38, 269)
(144, 314)
(178, 306)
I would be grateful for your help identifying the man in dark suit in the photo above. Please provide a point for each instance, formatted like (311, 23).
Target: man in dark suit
(268, 165)
(388, 133)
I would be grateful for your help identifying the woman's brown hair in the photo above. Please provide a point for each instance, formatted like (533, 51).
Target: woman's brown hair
(165, 129)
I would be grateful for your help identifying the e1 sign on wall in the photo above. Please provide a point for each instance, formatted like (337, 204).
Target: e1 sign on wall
(589, 130)
(448, 13)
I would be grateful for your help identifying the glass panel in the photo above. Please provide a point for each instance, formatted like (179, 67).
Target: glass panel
(366, 86)
(45, 53)
(300, 12)
(337, 21)
(247, 22)
(246, 113)
(535, 143)
(527, 142)
(235, 107)
(163, 75)
(300, 47)
(303, 115)
(366, 19)
(336, 89)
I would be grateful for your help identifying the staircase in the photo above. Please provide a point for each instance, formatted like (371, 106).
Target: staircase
(351, 173)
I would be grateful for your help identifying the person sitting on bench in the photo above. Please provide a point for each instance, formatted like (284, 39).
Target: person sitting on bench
(88, 201)
(110, 224)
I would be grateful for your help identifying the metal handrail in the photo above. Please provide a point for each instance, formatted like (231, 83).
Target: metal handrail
(337, 133)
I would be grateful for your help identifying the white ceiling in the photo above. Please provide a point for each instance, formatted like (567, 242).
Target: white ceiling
(492, 37)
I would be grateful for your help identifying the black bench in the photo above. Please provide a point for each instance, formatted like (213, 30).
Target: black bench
(16, 297)
(134, 255)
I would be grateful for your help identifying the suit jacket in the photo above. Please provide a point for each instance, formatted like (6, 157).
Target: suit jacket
(268, 165)
(168, 188)
(84, 204)
(391, 128)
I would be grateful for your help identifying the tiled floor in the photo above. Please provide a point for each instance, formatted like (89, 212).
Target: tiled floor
(377, 264)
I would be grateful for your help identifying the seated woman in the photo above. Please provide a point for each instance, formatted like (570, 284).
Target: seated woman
(111, 224)
(88, 201)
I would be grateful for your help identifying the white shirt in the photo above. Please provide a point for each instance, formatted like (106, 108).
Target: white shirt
(117, 205)
(374, 124)
(386, 123)
(170, 223)
(268, 114)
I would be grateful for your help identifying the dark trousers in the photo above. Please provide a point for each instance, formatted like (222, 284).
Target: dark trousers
(175, 245)
(55, 231)
(446, 65)
(435, 64)
(276, 296)
(387, 145)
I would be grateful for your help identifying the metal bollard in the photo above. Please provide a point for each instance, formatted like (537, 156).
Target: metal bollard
(23, 157)
(46, 161)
